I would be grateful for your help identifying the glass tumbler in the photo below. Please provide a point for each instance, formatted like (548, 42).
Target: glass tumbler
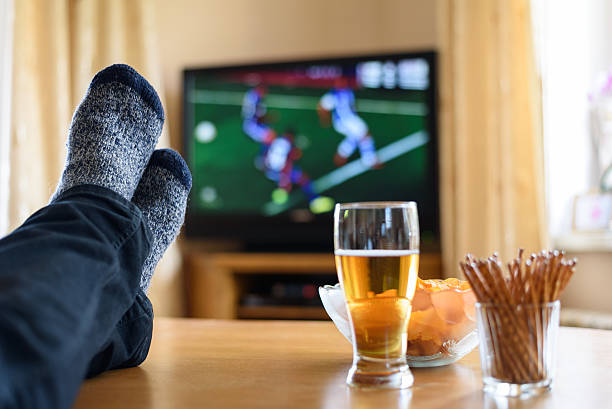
(517, 346)
(376, 247)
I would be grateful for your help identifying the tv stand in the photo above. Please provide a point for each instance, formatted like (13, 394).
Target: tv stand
(216, 281)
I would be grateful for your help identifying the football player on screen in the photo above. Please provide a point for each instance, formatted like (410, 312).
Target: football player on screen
(340, 103)
(254, 114)
(279, 165)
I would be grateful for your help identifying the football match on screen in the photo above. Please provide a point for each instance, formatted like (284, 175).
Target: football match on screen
(271, 139)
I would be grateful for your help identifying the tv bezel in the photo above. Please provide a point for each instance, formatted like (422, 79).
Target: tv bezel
(281, 233)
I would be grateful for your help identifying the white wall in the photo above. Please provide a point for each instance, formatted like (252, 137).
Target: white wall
(576, 46)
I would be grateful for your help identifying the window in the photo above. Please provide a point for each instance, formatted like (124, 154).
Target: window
(572, 41)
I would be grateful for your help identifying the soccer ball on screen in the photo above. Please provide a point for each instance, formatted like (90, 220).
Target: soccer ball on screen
(205, 132)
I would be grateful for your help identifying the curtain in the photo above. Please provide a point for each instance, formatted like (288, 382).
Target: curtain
(6, 65)
(491, 170)
(58, 46)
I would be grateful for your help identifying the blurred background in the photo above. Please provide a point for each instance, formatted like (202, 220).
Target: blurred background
(522, 126)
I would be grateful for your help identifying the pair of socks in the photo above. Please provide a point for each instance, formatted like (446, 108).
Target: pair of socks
(111, 144)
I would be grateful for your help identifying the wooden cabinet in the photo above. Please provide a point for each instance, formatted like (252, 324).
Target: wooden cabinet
(215, 281)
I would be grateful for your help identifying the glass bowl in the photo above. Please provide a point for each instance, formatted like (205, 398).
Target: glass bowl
(442, 326)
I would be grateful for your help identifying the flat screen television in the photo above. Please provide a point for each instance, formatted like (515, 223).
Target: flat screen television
(272, 147)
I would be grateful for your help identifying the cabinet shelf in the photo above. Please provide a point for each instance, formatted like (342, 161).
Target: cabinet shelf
(282, 312)
(215, 281)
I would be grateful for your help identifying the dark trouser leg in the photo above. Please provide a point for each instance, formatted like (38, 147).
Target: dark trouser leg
(67, 277)
(129, 342)
(162, 196)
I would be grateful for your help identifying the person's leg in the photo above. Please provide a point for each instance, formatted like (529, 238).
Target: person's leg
(346, 147)
(368, 151)
(67, 276)
(70, 273)
(113, 132)
(128, 343)
(298, 177)
(258, 132)
(161, 195)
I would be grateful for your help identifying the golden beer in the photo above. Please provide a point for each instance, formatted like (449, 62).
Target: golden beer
(379, 286)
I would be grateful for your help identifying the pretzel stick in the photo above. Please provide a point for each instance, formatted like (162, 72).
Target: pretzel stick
(513, 310)
(522, 352)
(520, 334)
(479, 292)
(487, 286)
(494, 334)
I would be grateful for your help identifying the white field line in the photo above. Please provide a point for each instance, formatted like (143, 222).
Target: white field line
(308, 103)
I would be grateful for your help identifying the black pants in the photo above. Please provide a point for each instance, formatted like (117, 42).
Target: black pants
(70, 303)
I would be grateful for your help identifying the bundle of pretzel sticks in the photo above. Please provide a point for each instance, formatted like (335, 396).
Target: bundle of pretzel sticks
(517, 310)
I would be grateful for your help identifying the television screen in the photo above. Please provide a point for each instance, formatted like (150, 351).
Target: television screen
(273, 147)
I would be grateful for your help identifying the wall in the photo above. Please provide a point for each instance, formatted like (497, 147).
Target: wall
(589, 288)
(195, 33)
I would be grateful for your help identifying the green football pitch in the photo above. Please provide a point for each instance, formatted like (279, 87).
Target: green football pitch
(225, 179)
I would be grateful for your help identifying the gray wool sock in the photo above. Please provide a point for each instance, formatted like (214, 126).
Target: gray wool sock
(161, 195)
(113, 132)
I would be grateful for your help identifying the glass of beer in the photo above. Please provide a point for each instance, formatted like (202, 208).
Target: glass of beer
(377, 257)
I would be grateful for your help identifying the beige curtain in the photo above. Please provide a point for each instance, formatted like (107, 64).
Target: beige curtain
(58, 46)
(492, 190)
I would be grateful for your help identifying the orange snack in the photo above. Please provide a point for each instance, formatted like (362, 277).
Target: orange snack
(442, 314)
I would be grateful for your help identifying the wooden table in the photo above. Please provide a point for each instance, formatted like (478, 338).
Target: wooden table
(292, 364)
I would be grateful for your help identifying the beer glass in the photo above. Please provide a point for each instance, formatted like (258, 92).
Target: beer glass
(376, 246)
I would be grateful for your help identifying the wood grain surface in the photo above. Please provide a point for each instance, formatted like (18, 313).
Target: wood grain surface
(300, 364)
(214, 279)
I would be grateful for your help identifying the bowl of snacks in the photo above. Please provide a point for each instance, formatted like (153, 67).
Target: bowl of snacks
(442, 327)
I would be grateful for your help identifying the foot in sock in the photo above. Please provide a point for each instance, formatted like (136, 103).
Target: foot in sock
(113, 132)
(161, 195)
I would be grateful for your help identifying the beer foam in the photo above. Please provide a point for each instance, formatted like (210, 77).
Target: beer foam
(375, 253)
